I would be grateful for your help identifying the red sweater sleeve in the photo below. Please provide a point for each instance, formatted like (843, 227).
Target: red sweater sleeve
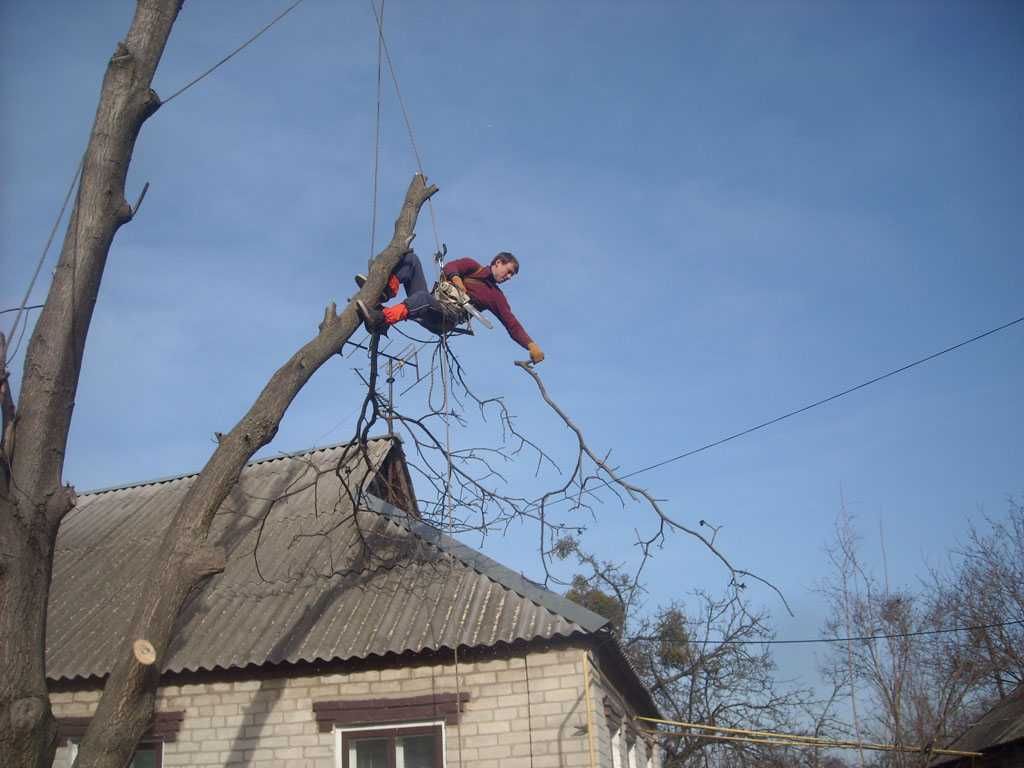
(502, 310)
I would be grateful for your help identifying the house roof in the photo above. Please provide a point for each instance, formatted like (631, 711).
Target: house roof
(306, 580)
(1001, 725)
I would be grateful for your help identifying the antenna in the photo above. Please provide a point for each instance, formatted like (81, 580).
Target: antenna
(408, 357)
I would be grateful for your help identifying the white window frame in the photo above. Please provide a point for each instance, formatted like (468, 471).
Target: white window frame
(339, 731)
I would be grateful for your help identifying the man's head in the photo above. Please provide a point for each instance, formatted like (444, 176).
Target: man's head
(504, 266)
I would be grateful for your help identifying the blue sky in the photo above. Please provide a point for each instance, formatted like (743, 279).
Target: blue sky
(723, 211)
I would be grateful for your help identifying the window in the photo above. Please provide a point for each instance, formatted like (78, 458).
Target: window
(418, 745)
(146, 755)
(617, 748)
(150, 751)
(631, 755)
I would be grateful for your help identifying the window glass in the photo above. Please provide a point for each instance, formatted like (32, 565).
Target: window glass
(145, 757)
(415, 751)
(401, 746)
(368, 753)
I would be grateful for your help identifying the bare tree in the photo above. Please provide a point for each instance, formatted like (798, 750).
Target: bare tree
(33, 498)
(893, 641)
(703, 660)
(985, 590)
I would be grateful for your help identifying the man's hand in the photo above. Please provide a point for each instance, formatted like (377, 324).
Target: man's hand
(457, 282)
(536, 356)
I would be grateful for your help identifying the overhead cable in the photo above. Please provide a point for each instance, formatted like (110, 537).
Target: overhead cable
(867, 638)
(231, 55)
(828, 399)
(78, 172)
(42, 258)
(776, 420)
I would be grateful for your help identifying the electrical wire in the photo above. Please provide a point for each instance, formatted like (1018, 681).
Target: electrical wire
(231, 55)
(867, 638)
(42, 258)
(828, 399)
(78, 172)
(790, 414)
(20, 309)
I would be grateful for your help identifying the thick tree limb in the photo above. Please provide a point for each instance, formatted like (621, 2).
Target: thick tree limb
(32, 497)
(127, 704)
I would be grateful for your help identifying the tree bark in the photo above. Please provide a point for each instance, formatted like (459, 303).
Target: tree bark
(186, 558)
(32, 497)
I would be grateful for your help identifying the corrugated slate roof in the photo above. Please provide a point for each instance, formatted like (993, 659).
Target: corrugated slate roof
(1001, 725)
(322, 583)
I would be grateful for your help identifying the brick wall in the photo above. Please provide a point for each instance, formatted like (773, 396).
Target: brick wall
(270, 722)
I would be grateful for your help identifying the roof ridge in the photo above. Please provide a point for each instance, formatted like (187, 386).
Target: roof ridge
(492, 569)
(250, 463)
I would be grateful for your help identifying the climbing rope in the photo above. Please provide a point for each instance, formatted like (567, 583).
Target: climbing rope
(376, 141)
(405, 114)
(448, 508)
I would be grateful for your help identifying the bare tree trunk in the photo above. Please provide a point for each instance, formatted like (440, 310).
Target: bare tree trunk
(32, 497)
(34, 435)
(126, 708)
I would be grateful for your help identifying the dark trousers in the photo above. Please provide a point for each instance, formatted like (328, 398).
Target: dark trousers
(423, 307)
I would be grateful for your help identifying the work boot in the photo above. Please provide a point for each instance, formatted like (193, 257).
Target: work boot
(373, 319)
(390, 290)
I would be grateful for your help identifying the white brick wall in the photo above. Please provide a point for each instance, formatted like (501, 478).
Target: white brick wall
(263, 723)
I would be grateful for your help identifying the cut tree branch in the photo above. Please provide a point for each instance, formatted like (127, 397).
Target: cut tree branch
(129, 696)
(665, 522)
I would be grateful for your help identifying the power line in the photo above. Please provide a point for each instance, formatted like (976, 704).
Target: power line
(20, 309)
(800, 410)
(828, 399)
(231, 55)
(78, 172)
(42, 259)
(866, 638)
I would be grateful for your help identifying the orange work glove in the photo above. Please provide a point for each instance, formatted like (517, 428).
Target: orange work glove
(457, 282)
(536, 356)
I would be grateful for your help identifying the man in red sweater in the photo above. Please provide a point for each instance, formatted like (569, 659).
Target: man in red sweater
(480, 283)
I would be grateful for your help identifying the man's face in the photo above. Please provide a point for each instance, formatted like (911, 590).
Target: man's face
(502, 271)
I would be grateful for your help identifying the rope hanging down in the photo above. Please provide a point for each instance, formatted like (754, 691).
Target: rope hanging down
(441, 250)
(405, 114)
